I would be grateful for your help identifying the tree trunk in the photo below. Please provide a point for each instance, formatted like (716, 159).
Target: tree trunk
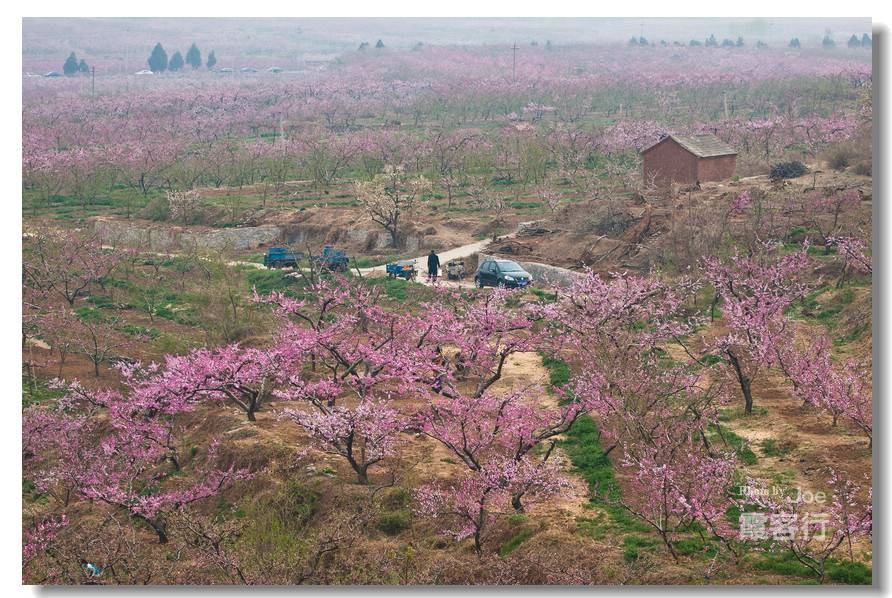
(157, 525)
(745, 383)
(362, 475)
(516, 503)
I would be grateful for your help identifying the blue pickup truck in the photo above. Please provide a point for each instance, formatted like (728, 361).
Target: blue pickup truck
(280, 257)
(333, 259)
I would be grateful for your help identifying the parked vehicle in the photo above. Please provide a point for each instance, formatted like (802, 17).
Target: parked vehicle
(333, 259)
(402, 269)
(280, 257)
(455, 269)
(501, 273)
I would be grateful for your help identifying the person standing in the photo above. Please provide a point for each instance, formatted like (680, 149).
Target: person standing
(433, 266)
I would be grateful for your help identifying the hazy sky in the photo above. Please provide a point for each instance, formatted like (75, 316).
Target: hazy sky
(124, 43)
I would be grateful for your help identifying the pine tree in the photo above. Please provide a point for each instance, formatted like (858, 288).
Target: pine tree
(158, 59)
(176, 61)
(828, 42)
(83, 67)
(193, 57)
(854, 41)
(380, 44)
(212, 60)
(866, 42)
(70, 66)
(794, 43)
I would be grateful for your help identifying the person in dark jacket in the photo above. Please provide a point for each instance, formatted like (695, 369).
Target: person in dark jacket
(433, 266)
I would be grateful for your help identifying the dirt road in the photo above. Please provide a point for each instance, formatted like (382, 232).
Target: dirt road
(450, 254)
(421, 262)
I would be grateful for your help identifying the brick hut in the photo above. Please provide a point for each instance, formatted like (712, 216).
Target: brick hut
(688, 160)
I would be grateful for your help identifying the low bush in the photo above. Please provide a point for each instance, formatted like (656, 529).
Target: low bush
(394, 522)
(788, 170)
(863, 168)
(839, 160)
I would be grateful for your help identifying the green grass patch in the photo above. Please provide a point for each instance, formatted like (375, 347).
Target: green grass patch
(558, 369)
(512, 544)
(583, 445)
(517, 518)
(775, 448)
(105, 302)
(525, 205)
(633, 546)
(596, 527)
(695, 546)
(544, 295)
(782, 563)
(135, 330)
(395, 288)
(268, 281)
(36, 391)
(727, 414)
(731, 440)
(853, 335)
(849, 573)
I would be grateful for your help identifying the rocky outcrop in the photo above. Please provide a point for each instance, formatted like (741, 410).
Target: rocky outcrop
(160, 237)
(153, 237)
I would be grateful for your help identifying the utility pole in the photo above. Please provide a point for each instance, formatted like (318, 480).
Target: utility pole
(514, 62)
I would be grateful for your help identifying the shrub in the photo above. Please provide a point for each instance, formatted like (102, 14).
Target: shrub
(839, 160)
(297, 503)
(394, 522)
(864, 168)
(788, 170)
(157, 209)
(397, 498)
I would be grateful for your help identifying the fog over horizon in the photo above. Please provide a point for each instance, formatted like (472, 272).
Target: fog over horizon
(291, 40)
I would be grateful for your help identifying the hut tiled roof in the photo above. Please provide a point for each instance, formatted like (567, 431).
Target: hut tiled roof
(702, 146)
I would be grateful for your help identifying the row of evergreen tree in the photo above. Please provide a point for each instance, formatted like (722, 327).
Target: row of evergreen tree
(711, 42)
(158, 62)
(73, 67)
(854, 42)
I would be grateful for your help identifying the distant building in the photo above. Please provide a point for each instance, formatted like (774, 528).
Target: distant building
(688, 160)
